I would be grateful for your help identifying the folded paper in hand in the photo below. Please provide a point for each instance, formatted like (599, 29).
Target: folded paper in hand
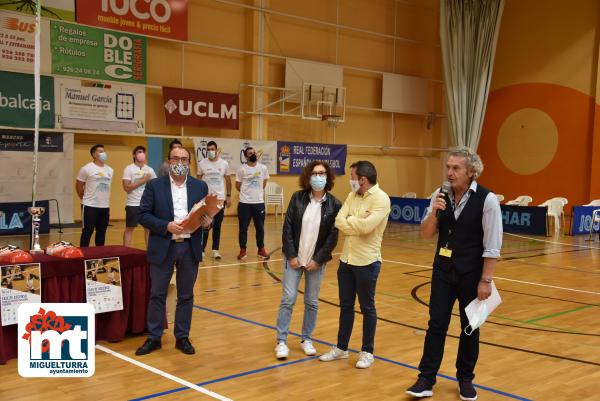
(209, 206)
(477, 311)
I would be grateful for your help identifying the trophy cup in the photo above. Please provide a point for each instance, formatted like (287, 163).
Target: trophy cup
(36, 213)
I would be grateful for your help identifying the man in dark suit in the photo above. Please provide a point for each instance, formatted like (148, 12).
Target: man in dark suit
(165, 202)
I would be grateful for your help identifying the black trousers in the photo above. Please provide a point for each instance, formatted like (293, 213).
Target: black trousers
(256, 212)
(446, 287)
(216, 231)
(94, 218)
(361, 281)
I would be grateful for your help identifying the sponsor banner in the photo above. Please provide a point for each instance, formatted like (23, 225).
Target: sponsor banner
(56, 9)
(17, 104)
(87, 52)
(20, 284)
(581, 220)
(15, 220)
(408, 210)
(22, 141)
(294, 156)
(524, 219)
(17, 42)
(56, 340)
(201, 108)
(232, 150)
(165, 18)
(103, 284)
(82, 104)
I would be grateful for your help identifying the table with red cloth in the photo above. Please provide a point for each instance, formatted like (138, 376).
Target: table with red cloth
(63, 280)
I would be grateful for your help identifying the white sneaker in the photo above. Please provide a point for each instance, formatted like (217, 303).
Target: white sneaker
(308, 348)
(333, 354)
(282, 351)
(203, 255)
(365, 360)
(216, 254)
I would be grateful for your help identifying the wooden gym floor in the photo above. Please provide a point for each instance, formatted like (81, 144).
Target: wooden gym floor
(542, 343)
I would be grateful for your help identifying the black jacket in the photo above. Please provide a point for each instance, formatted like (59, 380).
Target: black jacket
(328, 234)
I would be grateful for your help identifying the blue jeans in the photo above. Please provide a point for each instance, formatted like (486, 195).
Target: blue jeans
(290, 283)
(361, 281)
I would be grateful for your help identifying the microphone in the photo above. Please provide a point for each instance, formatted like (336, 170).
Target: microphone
(443, 190)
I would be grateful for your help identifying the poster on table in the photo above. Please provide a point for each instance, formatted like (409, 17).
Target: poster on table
(232, 150)
(17, 42)
(55, 9)
(19, 284)
(103, 284)
(294, 156)
(100, 106)
(87, 52)
(164, 18)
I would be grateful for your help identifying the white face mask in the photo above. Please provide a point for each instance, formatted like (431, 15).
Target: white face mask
(211, 154)
(354, 185)
(477, 318)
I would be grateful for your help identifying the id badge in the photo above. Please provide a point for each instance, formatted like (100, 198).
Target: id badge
(446, 252)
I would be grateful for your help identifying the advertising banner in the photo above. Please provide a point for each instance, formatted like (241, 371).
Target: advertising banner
(201, 108)
(87, 52)
(17, 104)
(232, 150)
(165, 18)
(408, 210)
(17, 42)
(294, 156)
(581, 220)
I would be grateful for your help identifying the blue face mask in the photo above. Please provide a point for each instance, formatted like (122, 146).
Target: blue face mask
(318, 182)
(211, 154)
(102, 156)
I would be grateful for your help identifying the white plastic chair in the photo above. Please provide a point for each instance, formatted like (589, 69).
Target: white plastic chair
(500, 197)
(523, 200)
(409, 195)
(595, 202)
(274, 196)
(565, 201)
(555, 209)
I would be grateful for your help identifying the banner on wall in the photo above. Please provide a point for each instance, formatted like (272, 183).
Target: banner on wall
(15, 220)
(57, 9)
(581, 220)
(232, 150)
(165, 18)
(17, 104)
(54, 181)
(201, 108)
(292, 157)
(20, 284)
(87, 52)
(100, 106)
(17, 42)
(524, 219)
(408, 210)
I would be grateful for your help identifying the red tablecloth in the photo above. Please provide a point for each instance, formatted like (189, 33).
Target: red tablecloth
(63, 280)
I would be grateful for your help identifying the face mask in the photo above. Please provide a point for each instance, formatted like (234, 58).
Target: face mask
(211, 154)
(140, 157)
(477, 318)
(354, 185)
(253, 158)
(102, 156)
(179, 169)
(318, 182)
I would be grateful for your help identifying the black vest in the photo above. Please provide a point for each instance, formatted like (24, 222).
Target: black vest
(464, 236)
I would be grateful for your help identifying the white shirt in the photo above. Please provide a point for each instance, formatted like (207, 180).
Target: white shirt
(97, 181)
(252, 179)
(213, 173)
(491, 220)
(134, 173)
(180, 207)
(309, 233)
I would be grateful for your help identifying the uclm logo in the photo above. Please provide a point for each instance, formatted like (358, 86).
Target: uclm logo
(56, 340)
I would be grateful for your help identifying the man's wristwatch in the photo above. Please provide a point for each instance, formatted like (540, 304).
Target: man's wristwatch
(485, 280)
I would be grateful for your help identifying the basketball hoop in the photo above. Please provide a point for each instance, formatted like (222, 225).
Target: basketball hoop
(332, 119)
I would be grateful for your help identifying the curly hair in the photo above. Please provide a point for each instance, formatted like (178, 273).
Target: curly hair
(307, 173)
(473, 160)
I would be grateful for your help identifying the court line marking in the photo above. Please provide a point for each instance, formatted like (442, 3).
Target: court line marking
(164, 374)
(505, 279)
(537, 319)
(553, 242)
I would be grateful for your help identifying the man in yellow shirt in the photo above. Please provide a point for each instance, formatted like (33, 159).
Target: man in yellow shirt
(363, 219)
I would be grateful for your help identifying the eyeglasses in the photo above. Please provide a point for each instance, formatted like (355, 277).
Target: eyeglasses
(319, 173)
(180, 159)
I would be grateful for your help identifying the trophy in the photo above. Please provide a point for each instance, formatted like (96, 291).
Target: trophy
(36, 213)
